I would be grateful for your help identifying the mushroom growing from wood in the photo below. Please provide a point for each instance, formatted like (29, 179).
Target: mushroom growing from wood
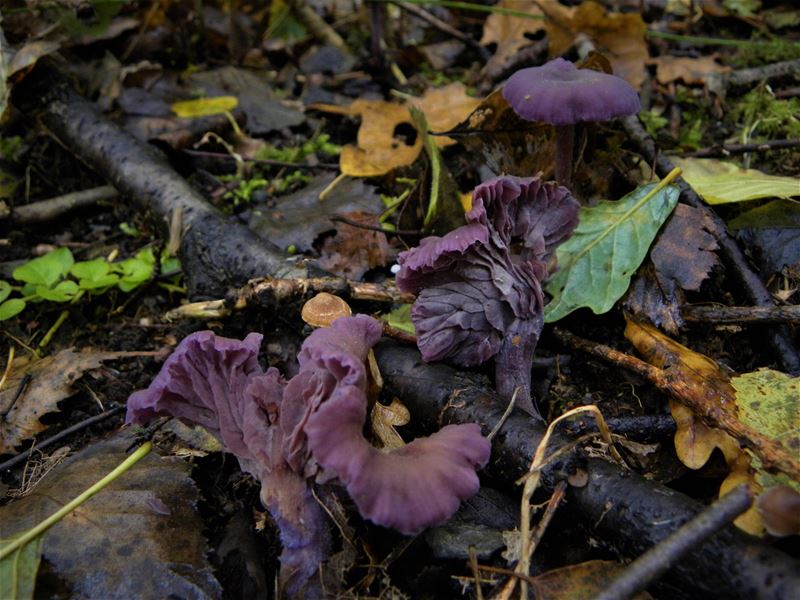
(561, 94)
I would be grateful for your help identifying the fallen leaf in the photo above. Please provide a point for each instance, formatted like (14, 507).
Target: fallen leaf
(710, 387)
(118, 544)
(511, 33)
(400, 318)
(18, 570)
(773, 229)
(692, 71)
(353, 251)
(29, 54)
(379, 150)
(204, 107)
(445, 108)
(384, 419)
(49, 381)
(596, 264)
(658, 303)
(297, 219)
(507, 143)
(720, 182)
(583, 580)
(620, 36)
(684, 252)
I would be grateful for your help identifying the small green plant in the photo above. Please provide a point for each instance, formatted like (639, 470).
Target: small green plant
(653, 122)
(243, 192)
(56, 277)
(759, 114)
(320, 144)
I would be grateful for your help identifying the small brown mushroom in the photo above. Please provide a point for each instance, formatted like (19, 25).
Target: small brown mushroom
(323, 309)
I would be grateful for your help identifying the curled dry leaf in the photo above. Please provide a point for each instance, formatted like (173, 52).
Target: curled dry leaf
(353, 251)
(692, 71)
(444, 108)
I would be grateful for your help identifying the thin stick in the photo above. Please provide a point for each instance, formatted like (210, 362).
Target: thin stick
(442, 26)
(727, 150)
(7, 370)
(22, 456)
(39, 529)
(47, 210)
(473, 565)
(658, 560)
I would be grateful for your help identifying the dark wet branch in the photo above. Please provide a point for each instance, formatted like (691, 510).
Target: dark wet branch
(216, 252)
(625, 512)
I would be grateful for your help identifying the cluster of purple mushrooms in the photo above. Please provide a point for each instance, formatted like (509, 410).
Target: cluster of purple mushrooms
(479, 296)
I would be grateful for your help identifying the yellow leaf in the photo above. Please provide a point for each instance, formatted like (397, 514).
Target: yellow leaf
(377, 151)
(720, 182)
(204, 107)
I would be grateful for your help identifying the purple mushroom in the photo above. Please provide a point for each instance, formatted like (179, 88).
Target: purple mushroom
(561, 94)
(479, 292)
(289, 435)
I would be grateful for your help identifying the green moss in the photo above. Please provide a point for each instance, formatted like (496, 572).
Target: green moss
(758, 114)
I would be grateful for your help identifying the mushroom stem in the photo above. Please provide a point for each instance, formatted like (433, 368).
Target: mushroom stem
(565, 140)
(512, 371)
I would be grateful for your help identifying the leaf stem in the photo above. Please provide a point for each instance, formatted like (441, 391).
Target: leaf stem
(39, 529)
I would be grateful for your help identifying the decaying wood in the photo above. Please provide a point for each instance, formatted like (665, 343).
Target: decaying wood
(216, 253)
(757, 293)
(772, 454)
(741, 314)
(619, 509)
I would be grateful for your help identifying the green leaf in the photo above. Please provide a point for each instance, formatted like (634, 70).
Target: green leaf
(18, 570)
(94, 274)
(5, 290)
(11, 308)
(719, 182)
(47, 269)
(137, 270)
(609, 244)
(769, 402)
(400, 318)
(63, 292)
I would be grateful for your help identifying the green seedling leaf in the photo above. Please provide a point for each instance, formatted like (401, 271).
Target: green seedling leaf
(400, 318)
(11, 308)
(18, 570)
(94, 274)
(137, 270)
(5, 290)
(719, 182)
(609, 244)
(769, 402)
(45, 270)
(63, 292)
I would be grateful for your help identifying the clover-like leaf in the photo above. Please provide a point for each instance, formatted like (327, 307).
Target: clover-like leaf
(11, 308)
(63, 292)
(45, 270)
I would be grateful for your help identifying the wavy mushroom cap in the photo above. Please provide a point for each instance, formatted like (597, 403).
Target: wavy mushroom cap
(561, 94)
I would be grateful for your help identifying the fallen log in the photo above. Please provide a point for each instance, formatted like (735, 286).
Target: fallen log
(216, 253)
(617, 507)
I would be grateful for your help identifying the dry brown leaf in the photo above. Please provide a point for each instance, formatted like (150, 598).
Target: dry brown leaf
(384, 419)
(658, 304)
(50, 381)
(138, 538)
(510, 32)
(377, 151)
(684, 252)
(507, 143)
(621, 37)
(582, 580)
(692, 71)
(353, 251)
(445, 108)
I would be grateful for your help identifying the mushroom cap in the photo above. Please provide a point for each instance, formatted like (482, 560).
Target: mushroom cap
(561, 94)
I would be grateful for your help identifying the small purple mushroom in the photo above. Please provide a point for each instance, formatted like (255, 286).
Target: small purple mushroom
(479, 292)
(561, 94)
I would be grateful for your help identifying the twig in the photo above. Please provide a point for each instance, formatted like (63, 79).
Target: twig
(727, 150)
(263, 161)
(47, 210)
(771, 453)
(741, 314)
(346, 221)
(443, 26)
(316, 25)
(753, 287)
(744, 77)
(641, 428)
(658, 560)
(271, 292)
(23, 456)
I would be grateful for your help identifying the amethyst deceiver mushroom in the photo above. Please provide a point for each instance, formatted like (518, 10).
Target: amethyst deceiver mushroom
(291, 435)
(479, 292)
(561, 94)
